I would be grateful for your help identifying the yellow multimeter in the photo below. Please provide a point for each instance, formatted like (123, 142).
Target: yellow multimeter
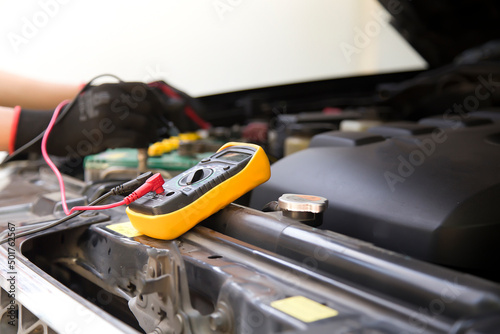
(200, 191)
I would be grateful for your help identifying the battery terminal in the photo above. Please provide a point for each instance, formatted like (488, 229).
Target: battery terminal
(171, 144)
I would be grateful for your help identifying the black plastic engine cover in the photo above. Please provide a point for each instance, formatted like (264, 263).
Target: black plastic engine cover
(430, 193)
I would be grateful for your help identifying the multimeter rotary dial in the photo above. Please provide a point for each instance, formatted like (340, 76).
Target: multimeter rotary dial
(198, 175)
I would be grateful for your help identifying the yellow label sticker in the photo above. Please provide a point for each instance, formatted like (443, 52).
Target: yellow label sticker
(304, 309)
(125, 229)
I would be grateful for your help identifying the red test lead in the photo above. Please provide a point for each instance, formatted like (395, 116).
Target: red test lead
(154, 183)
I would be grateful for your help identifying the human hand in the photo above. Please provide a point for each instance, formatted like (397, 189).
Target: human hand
(125, 114)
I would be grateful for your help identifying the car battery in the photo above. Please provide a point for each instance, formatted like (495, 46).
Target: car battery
(122, 163)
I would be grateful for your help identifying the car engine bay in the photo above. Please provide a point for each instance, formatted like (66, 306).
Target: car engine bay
(381, 215)
(408, 242)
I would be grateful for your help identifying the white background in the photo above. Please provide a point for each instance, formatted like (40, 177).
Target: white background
(202, 47)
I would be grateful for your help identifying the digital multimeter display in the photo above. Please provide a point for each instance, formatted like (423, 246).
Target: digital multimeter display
(200, 191)
(234, 156)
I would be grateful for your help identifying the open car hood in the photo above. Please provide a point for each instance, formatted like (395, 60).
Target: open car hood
(441, 30)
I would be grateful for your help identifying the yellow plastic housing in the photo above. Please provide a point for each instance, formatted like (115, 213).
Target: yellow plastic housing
(172, 225)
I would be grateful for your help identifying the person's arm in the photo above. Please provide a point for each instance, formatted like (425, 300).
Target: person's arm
(110, 115)
(33, 94)
(30, 94)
